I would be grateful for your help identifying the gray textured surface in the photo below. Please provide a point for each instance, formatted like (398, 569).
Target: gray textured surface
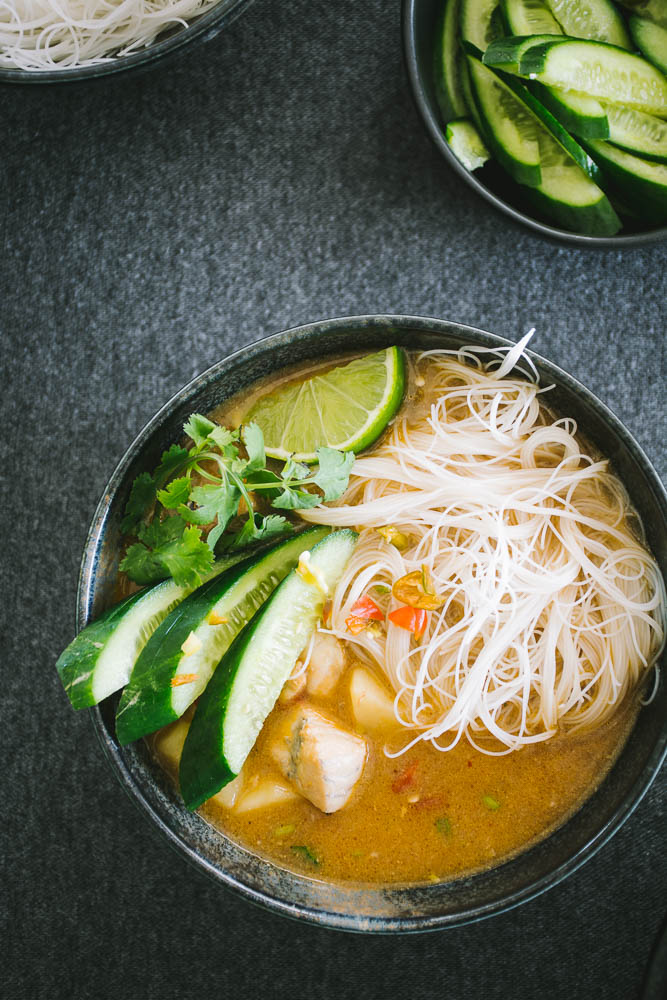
(149, 225)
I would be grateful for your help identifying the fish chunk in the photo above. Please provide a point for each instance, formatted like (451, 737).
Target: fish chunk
(327, 662)
(323, 761)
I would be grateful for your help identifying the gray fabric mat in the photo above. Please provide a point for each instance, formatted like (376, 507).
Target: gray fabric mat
(150, 225)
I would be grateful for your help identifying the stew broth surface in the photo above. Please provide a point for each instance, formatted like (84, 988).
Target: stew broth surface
(427, 815)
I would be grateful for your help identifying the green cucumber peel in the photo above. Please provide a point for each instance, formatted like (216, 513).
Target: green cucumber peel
(506, 126)
(651, 39)
(579, 114)
(153, 697)
(639, 182)
(447, 64)
(506, 53)
(100, 659)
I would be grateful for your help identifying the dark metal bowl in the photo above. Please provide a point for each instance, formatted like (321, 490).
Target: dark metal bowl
(368, 908)
(419, 21)
(202, 29)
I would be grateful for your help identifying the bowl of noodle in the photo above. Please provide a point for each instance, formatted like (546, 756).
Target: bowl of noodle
(532, 508)
(56, 41)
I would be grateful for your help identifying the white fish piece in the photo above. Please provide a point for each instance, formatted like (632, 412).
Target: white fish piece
(322, 760)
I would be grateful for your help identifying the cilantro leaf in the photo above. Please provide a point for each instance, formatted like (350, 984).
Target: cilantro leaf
(198, 428)
(168, 548)
(253, 440)
(142, 497)
(188, 560)
(333, 474)
(258, 528)
(221, 502)
(176, 493)
(272, 526)
(221, 436)
(224, 473)
(263, 479)
(174, 460)
(142, 566)
(291, 499)
(294, 470)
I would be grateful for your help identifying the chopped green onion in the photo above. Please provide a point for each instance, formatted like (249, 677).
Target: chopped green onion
(443, 826)
(490, 802)
(381, 588)
(306, 853)
(284, 831)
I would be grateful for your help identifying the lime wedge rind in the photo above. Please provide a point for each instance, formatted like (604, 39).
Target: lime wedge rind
(353, 403)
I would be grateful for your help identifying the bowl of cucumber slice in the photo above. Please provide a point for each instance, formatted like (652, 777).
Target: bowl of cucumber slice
(555, 111)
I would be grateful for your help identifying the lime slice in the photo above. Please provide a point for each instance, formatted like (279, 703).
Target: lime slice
(346, 408)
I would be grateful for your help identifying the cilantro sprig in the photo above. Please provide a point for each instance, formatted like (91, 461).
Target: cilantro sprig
(202, 499)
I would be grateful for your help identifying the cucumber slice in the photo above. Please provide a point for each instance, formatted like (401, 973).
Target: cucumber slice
(508, 127)
(466, 144)
(638, 133)
(598, 70)
(99, 661)
(594, 19)
(641, 183)
(651, 10)
(249, 678)
(568, 197)
(577, 113)
(529, 17)
(546, 121)
(651, 39)
(478, 24)
(467, 91)
(507, 53)
(447, 66)
(154, 696)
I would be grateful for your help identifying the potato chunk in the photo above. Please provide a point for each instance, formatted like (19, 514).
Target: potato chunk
(229, 793)
(372, 706)
(327, 662)
(266, 792)
(323, 760)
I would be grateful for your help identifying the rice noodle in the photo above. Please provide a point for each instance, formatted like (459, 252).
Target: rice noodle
(554, 608)
(53, 34)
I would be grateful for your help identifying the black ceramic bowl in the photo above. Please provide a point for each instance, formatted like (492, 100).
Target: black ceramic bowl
(419, 22)
(394, 908)
(202, 29)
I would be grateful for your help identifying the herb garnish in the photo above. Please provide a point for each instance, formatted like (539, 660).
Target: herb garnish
(306, 853)
(228, 467)
(443, 826)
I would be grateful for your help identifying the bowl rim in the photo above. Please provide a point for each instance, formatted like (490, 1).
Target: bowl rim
(202, 28)
(265, 899)
(432, 124)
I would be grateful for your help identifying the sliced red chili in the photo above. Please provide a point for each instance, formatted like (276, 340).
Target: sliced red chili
(411, 619)
(363, 611)
(365, 607)
(405, 779)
